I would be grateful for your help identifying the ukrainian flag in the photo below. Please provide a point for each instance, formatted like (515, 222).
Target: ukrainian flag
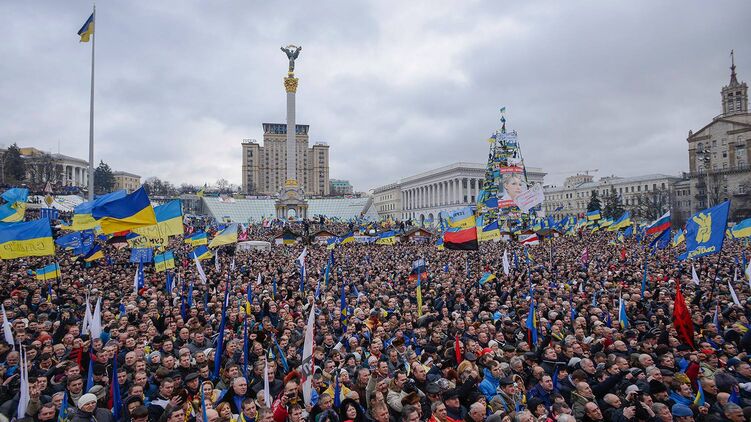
(225, 237)
(622, 317)
(47, 272)
(164, 261)
(169, 219)
(331, 242)
(742, 229)
(94, 253)
(202, 252)
(32, 238)
(347, 238)
(489, 232)
(130, 212)
(198, 238)
(622, 222)
(679, 238)
(486, 277)
(386, 238)
(593, 215)
(87, 30)
(289, 238)
(12, 212)
(82, 218)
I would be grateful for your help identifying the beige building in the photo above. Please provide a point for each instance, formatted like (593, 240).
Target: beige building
(264, 167)
(388, 201)
(57, 169)
(128, 181)
(719, 154)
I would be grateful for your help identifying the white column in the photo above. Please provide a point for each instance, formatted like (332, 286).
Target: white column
(432, 194)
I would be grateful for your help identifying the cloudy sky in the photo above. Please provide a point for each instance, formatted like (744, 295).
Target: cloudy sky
(394, 87)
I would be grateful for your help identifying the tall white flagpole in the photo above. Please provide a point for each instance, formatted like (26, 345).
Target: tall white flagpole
(91, 114)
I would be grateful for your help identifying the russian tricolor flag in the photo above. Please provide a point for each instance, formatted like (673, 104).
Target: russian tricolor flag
(660, 225)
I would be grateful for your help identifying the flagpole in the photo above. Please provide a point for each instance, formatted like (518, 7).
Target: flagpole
(91, 114)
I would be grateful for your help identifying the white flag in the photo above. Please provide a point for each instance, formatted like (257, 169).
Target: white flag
(506, 266)
(694, 277)
(86, 317)
(7, 331)
(733, 295)
(307, 356)
(748, 271)
(201, 274)
(301, 259)
(258, 280)
(266, 389)
(95, 326)
(232, 265)
(217, 264)
(23, 395)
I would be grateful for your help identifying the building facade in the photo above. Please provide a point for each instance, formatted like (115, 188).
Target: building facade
(388, 201)
(719, 154)
(340, 187)
(423, 196)
(633, 192)
(128, 181)
(264, 167)
(57, 169)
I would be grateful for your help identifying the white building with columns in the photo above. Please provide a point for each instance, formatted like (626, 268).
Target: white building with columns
(424, 195)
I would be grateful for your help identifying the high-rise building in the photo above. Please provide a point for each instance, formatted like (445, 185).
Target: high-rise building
(719, 154)
(264, 168)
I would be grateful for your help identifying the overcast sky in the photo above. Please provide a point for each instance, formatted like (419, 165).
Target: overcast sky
(394, 87)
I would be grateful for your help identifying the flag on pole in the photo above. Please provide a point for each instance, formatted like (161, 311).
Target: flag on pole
(506, 265)
(622, 317)
(733, 295)
(220, 339)
(199, 268)
(660, 225)
(86, 31)
(306, 368)
(682, 318)
(23, 395)
(419, 294)
(266, 389)
(694, 276)
(7, 330)
(95, 326)
(457, 350)
(705, 231)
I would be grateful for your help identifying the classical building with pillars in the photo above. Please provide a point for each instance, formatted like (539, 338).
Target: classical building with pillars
(55, 168)
(423, 196)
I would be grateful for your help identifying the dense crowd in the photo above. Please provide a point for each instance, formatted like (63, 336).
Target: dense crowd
(466, 355)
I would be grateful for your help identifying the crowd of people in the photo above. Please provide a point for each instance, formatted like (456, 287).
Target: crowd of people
(465, 354)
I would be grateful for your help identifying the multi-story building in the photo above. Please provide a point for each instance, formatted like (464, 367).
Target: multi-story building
(127, 181)
(719, 154)
(423, 196)
(387, 200)
(341, 187)
(633, 192)
(264, 168)
(57, 169)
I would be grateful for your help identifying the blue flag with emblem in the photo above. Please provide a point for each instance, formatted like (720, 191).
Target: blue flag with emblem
(705, 231)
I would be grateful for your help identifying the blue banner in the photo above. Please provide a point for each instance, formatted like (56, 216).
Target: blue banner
(705, 230)
(141, 255)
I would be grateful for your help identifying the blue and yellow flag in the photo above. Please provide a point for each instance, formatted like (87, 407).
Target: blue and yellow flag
(32, 238)
(622, 317)
(678, 238)
(742, 229)
(486, 277)
(593, 215)
(82, 218)
(705, 231)
(347, 238)
(331, 242)
(94, 253)
(87, 30)
(164, 261)
(169, 219)
(489, 232)
(48, 272)
(198, 238)
(128, 213)
(623, 222)
(386, 238)
(12, 212)
(202, 252)
(225, 237)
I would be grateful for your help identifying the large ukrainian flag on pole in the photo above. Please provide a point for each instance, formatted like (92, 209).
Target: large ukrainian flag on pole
(87, 30)
(225, 237)
(32, 238)
(128, 213)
